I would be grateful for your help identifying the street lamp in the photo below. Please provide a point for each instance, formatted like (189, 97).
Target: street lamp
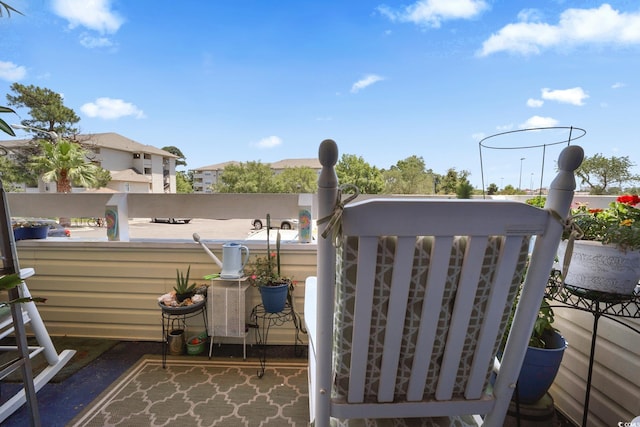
(51, 133)
(520, 180)
(531, 184)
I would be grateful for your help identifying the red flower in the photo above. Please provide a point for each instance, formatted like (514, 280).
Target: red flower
(629, 199)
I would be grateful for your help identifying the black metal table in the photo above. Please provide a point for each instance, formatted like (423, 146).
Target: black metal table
(176, 318)
(599, 304)
(264, 321)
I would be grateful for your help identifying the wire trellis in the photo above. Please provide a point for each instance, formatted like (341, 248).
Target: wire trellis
(571, 137)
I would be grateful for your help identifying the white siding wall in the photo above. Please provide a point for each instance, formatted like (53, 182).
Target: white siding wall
(117, 160)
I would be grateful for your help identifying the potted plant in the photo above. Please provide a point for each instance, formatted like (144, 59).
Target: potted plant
(29, 229)
(605, 256)
(183, 289)
(184, 295)
(544, 353)
(266, 276)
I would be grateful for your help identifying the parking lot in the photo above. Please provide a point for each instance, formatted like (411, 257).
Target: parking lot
(144, 228)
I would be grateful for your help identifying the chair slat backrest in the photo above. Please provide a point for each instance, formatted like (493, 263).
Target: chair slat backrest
(413, 302)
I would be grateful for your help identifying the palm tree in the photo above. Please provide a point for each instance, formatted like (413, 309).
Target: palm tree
(65, 162)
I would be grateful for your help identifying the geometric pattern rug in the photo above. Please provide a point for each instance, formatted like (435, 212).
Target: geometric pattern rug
(202, 393)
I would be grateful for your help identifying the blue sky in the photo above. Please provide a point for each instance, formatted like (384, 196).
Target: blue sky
(268, 80)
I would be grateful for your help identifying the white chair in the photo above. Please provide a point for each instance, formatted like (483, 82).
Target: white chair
(409, 306)
(55, 361)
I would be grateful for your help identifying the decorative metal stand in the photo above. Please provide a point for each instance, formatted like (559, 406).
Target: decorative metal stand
(176, 318)
(488, 142)
(599, 304)
(264, 321)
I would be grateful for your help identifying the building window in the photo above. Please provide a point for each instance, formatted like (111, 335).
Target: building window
(147, 156)
(147, 171)
(136, 155)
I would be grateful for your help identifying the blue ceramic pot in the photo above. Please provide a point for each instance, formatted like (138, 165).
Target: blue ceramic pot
(274, 298)
(23, 233)
(539, 369)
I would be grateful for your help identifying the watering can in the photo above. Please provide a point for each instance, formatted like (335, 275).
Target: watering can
(234, 258)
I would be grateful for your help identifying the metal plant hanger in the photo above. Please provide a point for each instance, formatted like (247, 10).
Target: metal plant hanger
(574, 133)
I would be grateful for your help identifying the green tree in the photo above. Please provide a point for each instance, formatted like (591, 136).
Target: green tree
(449, 182)
(464, 189)
(181, 160)
(102, 178)
(298, 180)
(65, 162)
(492, 189)
(600, 173)
(509, 189)
(183, 183)
(352, 169)
(9, 174)
(249, 177)
(408, 176)
(46, 109)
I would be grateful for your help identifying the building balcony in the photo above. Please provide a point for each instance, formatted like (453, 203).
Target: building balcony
(109, 289)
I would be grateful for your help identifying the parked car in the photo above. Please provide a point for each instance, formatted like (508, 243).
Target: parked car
(56, 230)
(172, 220)
(285, 224)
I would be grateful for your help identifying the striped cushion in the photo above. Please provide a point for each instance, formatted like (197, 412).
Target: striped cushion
(345, 300)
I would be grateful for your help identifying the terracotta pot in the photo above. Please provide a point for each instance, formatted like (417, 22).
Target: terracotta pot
(601, 268)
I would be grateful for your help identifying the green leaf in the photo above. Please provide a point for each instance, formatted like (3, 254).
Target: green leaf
(4, 127)
(9, 281)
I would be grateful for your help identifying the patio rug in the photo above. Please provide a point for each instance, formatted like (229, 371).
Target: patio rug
(202, 393)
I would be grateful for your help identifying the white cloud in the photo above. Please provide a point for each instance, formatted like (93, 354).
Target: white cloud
(92, 14)
(269, 142)
(478, 136)
(574, 96)
(618, 85)
(12, 72)
(539, 122)
(534, 103)
(603, 25)
(431, 13)
(108, 108)
(364, 82)
(504, 128)
(92, 42)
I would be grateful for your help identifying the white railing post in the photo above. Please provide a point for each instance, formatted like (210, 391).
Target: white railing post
(117, 217)
(327, 194)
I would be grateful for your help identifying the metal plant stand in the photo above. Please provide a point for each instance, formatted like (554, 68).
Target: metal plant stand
(176, 318)
(599, 304)
(264, 321)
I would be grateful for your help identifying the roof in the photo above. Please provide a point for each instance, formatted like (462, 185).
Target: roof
(129, 175)
(118, 142)
(110, 140)
(296, 163)
(217, 166)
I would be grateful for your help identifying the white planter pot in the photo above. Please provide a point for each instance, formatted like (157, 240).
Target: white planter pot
(602, 268)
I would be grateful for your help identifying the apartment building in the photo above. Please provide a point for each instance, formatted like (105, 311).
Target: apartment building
(204, 178)
(134, 167)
